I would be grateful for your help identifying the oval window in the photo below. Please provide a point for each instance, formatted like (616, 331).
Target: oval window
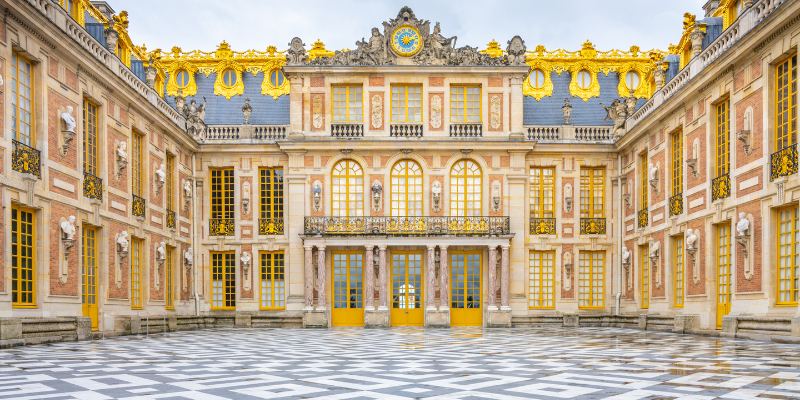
(536, 79)
(229, 77)
(632, 80)
(584, 79)
(182, 78)
(276, 77)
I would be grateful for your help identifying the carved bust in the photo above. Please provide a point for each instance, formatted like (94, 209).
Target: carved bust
(161, 252)
(161, 175)
(691, 240)
(187, 189)
(188, 257)
(626, 257)
(245, 260)
(69, 120)
(68, 228)
(743, 226)
(122, 243)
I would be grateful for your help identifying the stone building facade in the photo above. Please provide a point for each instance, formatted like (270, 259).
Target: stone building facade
(409, 181)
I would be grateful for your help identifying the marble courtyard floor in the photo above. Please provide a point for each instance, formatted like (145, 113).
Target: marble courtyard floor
(584, 363)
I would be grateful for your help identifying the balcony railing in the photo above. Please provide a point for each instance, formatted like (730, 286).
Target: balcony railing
(542, 226)
(676, 205)
(593, 133)
(544, 133)
(721, 187)
(405, 130)
(347, 131)
(221, 227)
(466, 130)
(92, 186)
(642, 218)
(593, 226)
(138, 206)
(261, 133)
(407, 226)
(783, 162)
(170, 219)
(25, 159)
(270, 226)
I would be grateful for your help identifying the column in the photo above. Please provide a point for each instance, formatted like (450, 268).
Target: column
(505, 274)
(430, 274)
(492, 266)
(382, 278)
(369, 279)
(321, 281)
(444, 283)
(308, 278)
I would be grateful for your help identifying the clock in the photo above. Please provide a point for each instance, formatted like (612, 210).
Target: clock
(406, 41)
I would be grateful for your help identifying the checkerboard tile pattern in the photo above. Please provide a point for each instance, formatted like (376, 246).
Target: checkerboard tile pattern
(547, 363)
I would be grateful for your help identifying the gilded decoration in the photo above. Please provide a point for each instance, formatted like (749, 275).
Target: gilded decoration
(721, 187)
(407, 226)
(593, 226)
(270, 226)
(684, 46)
(493, 49)
(26, 159)
(221, 227)
(318, 50)
(542, 226)
(676, 204)
(594, 62)
(138, 206)
(642, 218)
(92, 186)
(170, 219)
(783, 162)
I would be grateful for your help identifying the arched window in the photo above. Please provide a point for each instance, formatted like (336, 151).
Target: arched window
(182, 78)
(536, 79)
(406, 189)
(276, 77)
(584, 79)
(347, 189)
(466, 187)
(632, 80)
(229, 77)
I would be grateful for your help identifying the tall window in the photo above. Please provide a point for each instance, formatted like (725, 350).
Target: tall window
(90, 136)
(22, 99)
(644, 276)
(170, 184)
(466, 189)
(273, 286)
(541, 280)
(643, 186)
(788, 256)
(222, 194)
(677, 162)
(678, 271)
(591, 284)
(223, 280)
(593, 192)
(722, 153)
(169, 279)
(347, 103)
(137, 164)
(23, 258)
(543, 192)
(406, 189)
(465, 104)
(347, 195)
(271, 200)
(785, 103)
(89, 274)
(137, 263)
(406, 103)
(723, 264)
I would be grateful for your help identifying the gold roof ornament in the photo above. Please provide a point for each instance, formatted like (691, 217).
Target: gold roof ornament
(318, 50)
(684, 46)
(493, 49)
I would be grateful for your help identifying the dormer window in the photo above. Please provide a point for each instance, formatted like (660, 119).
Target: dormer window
(584, 79)
(182, 78)
(229, 77)
(632, 80)
(536, 79)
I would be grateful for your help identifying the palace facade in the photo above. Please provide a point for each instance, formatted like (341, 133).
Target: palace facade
(411, 180)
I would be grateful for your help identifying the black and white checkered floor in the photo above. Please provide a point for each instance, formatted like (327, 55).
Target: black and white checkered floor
(593, 363)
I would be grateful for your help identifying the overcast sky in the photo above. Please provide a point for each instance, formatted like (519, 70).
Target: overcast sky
(254, 24)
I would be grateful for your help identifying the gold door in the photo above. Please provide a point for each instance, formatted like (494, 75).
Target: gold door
(89, 275)
(348, 289)
(465, 289)
(407, 289)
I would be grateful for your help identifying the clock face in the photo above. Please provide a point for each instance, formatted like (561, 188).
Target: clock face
(406, 41)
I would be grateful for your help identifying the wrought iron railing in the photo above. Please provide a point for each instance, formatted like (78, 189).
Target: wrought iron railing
(221, 227)
(138, 206)
(721, 187)
(642, 218)
(92, 186)
(170, 219)
(407, 226)
(25, 159)
(593, 226)
(270, 226)
(347, 131)
(542, 226)
(783, 162)
(676, 205)
(405, 130)
(466, 130)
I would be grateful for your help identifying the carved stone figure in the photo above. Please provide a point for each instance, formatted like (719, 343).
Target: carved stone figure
(195, 117)
(122, 244)
(495, 112)
(188, 258)
(652, 176)
(692, 238)
(150, 76)
(317, 195)
(655, 252)
(68, 230)
(121, 156)
(617, 112)
(496, 196)
(161, 177)
(436, 111)
(630, 104)
(246, 198)
(660, 75)
(377, 111)
(187, 193)
(316, 112)
(245, 261)
(247, 110)
(68, 132)
(515, 51)
(626, 257)
(112, 38)
(743, 234)
(296, 54)
(161, 253)
(568, 197)
(696, 38)
(377, 195)
(567, 270)
(566, 111)
(436, 196)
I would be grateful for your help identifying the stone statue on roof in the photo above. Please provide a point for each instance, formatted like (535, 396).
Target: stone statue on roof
(195, 117)
(296, 55)
(515, 51)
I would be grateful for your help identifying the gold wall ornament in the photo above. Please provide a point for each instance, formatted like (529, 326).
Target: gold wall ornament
(493, 49)
(546, 89)
(318, 50)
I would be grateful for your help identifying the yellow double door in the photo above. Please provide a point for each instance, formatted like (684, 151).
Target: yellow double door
(466, 289)
(407, 289)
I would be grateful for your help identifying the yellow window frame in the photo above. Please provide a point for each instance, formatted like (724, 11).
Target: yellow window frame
(137, 163)
(677, 162)
(787, 273)
(347, 189)
(466, 189)
(542, 192)
(170, 184)
(644, 276)
(468, 102)
(722, 137)
(345, 100)
(169, 279)
(19, 112)
(222, 187)
(591, 280)
(402, 103)
(593, 192)
(406, 184)
(90, 268)
(542, 280)
(785, 115)
(137, 263)
(223, 270)
(91, 135)
(678, 272)
(643, 186)
(272, 274)
(23, 263)
(270, 192)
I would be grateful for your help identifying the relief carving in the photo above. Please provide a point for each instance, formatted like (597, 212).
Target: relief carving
(436, 111)
(495, 112)
(316, 112)
(377, 111)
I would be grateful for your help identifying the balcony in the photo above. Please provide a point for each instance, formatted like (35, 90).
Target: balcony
(676, 205)
(569, 134)
(221, 227)
(408, 226)
(270, 226)
(470, 130)
(405, 130)
(783, 162)
(347, 131)
(26, 159)
(245, 133)
(170, 219)
(543, 133)
(593, 226)
(92, 186)
(138, 206)
(542, 226)
(642, 218)
(721, 187)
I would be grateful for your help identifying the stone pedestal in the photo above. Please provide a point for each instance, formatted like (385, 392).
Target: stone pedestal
(570, 321)
(242, 320)
(84, 328)
(10, 328)
(686, 323)
(315, 319)
(437, 318)
(376, 318)
(730, 325)
(498, 319)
